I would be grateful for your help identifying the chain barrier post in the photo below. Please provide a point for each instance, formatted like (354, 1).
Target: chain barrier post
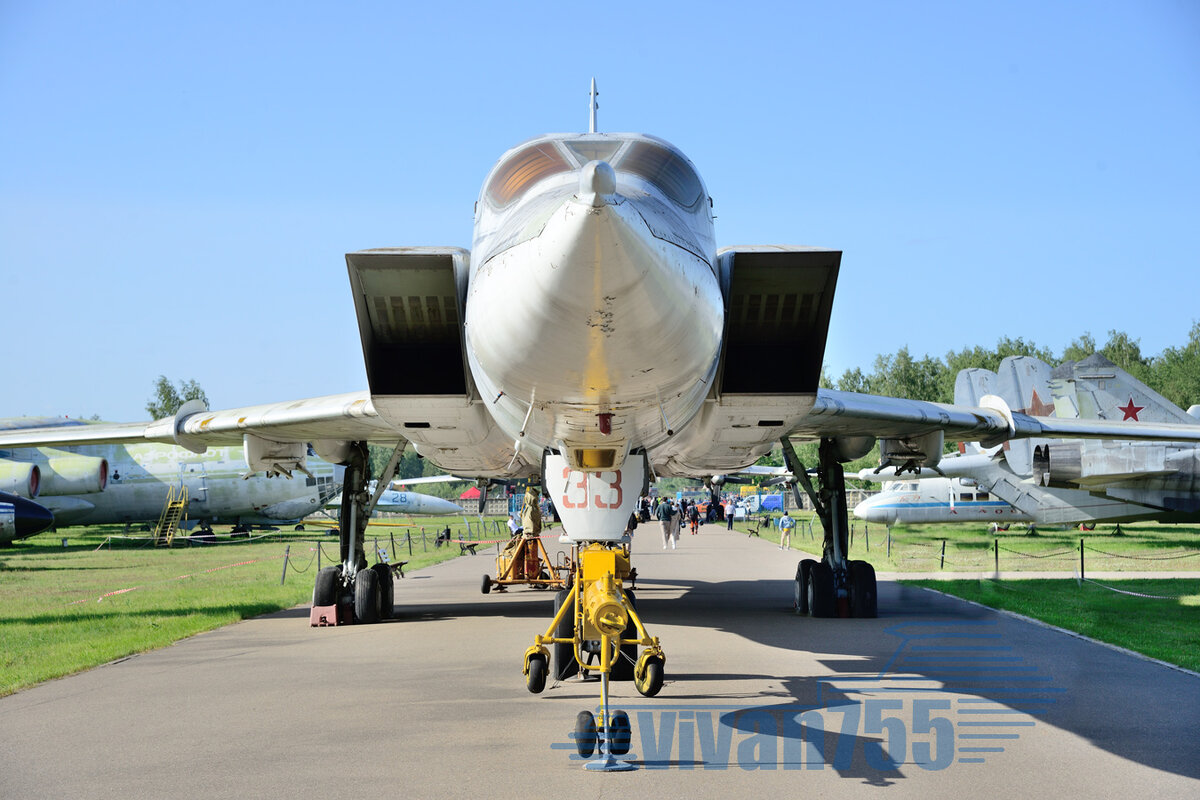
(943, 565)
(286, 552)
(996, 551)
(1081, 574)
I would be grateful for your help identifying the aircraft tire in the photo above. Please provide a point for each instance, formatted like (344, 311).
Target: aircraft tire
(387, 590)
(803, 571)
(535, 681)
(366, 596)
(563, 654)
(652, 681)
(622, 669)
(325, 590)
(822, 602)
(620, 734)
(585, 734)
(864, 602)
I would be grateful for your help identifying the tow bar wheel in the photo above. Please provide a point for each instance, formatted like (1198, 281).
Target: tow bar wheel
(537, 665)
(648, 676)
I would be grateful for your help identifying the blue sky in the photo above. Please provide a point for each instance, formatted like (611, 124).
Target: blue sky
(179, 182)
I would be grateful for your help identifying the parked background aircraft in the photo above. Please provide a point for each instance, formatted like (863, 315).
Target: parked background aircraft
(910, 501)
(21, 518)
(1064, 482)
(403, 501)
(99, 484)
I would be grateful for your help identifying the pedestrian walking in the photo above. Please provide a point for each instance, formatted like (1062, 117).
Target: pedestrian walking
(665, 516)
(786, 523)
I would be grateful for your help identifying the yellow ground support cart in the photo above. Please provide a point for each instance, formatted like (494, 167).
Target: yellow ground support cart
(524, 561)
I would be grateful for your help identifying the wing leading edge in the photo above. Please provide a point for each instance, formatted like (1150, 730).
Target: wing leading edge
(349, 417)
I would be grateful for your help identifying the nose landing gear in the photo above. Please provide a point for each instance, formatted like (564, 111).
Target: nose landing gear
(597, 617)
(603, 622)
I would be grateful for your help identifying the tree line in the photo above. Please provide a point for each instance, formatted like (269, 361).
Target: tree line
(1174, 373)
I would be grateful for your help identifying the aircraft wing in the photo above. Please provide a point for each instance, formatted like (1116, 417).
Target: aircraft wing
(338, 417)
(910, 427)
(64, 435)
(837, 413)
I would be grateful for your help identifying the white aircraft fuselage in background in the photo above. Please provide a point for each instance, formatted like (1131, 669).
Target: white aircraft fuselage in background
(137, 477)
(933, 500)
(404, 501)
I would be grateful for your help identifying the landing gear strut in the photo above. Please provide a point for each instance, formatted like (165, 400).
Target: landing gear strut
(596, 617)
(834, 586)
(350, 591)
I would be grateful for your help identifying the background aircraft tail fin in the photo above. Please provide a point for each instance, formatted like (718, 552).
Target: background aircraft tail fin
(1096, 388)
(1024, 383)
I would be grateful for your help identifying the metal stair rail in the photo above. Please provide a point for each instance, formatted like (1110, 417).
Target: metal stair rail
(174, 510)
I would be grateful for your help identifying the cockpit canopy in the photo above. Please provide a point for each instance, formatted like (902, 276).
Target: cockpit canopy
(652, 160)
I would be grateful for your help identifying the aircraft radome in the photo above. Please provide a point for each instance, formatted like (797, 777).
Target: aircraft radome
(21, 518)
(557, 349)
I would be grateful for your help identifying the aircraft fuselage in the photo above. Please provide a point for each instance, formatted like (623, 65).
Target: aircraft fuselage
(139, 476)
(933, 500)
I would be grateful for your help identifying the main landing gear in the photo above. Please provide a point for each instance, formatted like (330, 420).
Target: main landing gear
(834, 586)
(351, 591)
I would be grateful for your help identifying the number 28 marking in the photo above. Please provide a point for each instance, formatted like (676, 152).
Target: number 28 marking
(576, 495)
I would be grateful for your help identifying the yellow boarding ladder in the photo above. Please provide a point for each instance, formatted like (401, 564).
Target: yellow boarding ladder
(174, 511)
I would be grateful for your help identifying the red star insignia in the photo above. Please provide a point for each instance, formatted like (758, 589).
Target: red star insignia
(1037, 408)
(1130, 411)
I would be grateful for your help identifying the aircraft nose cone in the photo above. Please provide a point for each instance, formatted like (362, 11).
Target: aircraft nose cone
(591, 295)
(869, 511)
(447, 507)
(29, 517)
(866, 511)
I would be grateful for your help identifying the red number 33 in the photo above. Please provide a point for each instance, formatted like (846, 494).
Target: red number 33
(576, 494)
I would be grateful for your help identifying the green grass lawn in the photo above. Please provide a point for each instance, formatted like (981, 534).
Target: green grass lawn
(1166, 629)
(1140, 547)
(105, 596)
